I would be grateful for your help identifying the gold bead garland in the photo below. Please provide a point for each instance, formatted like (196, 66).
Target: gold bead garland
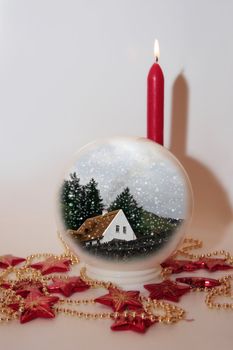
(151, 308)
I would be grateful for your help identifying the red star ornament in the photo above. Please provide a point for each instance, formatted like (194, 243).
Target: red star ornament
(167, 290)
(37, 305)
(178, 266)
(52, 265)
(25, 287)
(68, 286)
(14, 306)
(199, 282)
(10, 260)
(212, 265)
(5, 285)
(119, 299)
(129, 323)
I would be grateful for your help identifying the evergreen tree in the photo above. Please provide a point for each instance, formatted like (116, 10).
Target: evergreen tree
(78, 202)
(72, 198)
(132, 211)
(93, 202)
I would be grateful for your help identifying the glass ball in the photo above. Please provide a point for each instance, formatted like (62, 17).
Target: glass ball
(124, 204)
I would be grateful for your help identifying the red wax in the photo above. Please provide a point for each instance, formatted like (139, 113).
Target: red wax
(155, 102)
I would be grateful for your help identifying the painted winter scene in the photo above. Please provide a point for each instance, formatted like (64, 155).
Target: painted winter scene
(124, 198)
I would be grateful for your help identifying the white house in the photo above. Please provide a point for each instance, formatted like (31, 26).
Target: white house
(119, 228)
(104, 228)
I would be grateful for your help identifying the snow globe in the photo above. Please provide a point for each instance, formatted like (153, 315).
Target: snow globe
(123, 207)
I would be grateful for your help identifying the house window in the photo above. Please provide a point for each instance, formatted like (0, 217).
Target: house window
(117, 228)
(124, 229)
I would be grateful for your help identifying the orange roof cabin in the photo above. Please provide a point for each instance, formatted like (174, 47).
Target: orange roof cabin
(104, 228)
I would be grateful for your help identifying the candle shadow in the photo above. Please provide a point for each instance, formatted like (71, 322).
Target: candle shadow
(212, 209)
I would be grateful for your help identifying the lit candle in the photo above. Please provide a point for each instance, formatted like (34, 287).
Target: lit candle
(155, 100)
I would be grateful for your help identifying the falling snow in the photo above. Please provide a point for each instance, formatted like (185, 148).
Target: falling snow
(154, 178)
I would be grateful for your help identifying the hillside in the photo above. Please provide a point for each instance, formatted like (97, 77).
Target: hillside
(152, 223)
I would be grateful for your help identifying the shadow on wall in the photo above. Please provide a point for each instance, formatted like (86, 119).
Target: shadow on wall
(212, 209)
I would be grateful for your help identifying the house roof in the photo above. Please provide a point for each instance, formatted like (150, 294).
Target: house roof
(93, 228)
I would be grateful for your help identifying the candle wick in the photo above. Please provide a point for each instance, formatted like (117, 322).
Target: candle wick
(156, 59)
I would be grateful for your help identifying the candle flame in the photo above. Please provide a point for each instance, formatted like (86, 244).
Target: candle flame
(156, 50)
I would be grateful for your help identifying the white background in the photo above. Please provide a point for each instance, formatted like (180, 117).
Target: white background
(74, 71)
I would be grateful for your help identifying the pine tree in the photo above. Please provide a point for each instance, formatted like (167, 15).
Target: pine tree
(78, 202)
(93, 202)
(131, 209)
(72, 198)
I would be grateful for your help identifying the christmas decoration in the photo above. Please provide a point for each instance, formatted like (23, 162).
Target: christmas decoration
(68, 286)
(26, 291)
(123, 206)
(52, 264)
(9, 260)
(213, 264)
(5, 285)
(199, 282)
(136, 323)
(167, 290)
(177, 266)
(119, 300)
(37, 305)
(155, 99)
(27, 287)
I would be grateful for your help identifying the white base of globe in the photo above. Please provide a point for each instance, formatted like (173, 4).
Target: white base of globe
(125, 279)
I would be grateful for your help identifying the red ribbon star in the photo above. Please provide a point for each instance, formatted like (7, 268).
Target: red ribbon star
(119, 299)
(10, 260)
(199, 282)
(52, 265)
(37, 305)
(178, 266)
(213, 264)
(68, 286)
(167, 290)
(136, 324)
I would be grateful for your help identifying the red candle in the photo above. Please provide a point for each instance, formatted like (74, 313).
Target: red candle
(155, 100)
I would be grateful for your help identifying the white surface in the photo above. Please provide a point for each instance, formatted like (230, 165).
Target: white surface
(73, 71)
